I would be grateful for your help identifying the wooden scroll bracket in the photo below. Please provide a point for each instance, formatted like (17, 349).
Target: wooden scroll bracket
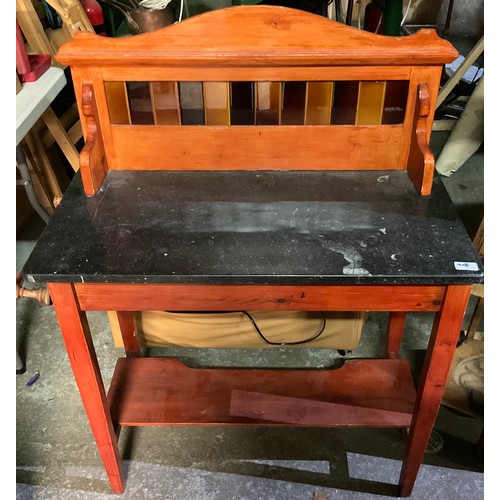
(421, 158)
(93, 163)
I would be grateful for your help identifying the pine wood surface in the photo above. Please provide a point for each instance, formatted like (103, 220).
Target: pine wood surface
(180, 297)
(85, 366)
(163, 391)
(257, 44)
(137, 147)
(248, 36)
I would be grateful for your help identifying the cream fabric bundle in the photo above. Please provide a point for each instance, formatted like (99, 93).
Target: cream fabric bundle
(234, 329)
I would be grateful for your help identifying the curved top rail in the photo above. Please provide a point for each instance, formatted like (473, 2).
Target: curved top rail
(258, 35)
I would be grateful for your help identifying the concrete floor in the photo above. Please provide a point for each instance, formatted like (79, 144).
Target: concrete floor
(56, 457)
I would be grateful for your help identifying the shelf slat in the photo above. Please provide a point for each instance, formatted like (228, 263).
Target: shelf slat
(164, 391)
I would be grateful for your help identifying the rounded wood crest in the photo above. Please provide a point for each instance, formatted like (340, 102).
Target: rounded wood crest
(264, 35)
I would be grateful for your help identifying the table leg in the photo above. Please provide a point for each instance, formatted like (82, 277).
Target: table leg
(432, 382)
(395, 333)
(129, 333)
(81, 353)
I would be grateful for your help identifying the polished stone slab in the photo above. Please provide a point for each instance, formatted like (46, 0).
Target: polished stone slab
(244, 227)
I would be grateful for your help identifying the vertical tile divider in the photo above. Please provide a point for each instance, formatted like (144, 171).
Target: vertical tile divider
(151, 97)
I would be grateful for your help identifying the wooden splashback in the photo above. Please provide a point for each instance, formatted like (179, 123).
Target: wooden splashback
(257, 87)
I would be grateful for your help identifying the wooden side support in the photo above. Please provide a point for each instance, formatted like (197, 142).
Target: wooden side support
(421, 159)
(397, 321)
(93, 163)
(129, 333)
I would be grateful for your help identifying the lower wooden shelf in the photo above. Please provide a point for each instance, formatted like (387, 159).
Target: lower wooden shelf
(164, 391)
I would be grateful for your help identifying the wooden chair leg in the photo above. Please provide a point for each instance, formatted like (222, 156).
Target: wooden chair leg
(81, 353)
(40, 155)
(395, 333)
(35, 190)
(432, 381)
(129, 334)
(62, 138)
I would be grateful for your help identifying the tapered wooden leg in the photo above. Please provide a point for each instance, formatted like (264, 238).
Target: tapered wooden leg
(395, 333)
(432, 382)
(80, 348)
(129, 334)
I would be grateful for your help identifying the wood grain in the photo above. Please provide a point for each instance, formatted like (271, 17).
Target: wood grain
(246, 36)
(278, 48)
(319, 103)
(93, 162)
(180, 297)
(82, 356)
(256, 147)
(432, 381)
(421, 158)
(163, 391)
(118, 106)
(257, 73)
(166, 104)
(395, 333)
(128, 331)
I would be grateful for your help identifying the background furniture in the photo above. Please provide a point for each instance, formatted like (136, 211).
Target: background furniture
(31, 102)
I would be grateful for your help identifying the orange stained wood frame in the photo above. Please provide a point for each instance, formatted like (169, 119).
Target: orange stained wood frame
(260, 103)
(182, 297)
(370, 400)
(259, 44)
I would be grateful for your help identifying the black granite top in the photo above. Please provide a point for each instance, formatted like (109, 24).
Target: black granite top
(361, 227)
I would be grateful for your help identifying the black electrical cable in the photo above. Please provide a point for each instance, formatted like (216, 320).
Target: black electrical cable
(257, 329)
(314, 337)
